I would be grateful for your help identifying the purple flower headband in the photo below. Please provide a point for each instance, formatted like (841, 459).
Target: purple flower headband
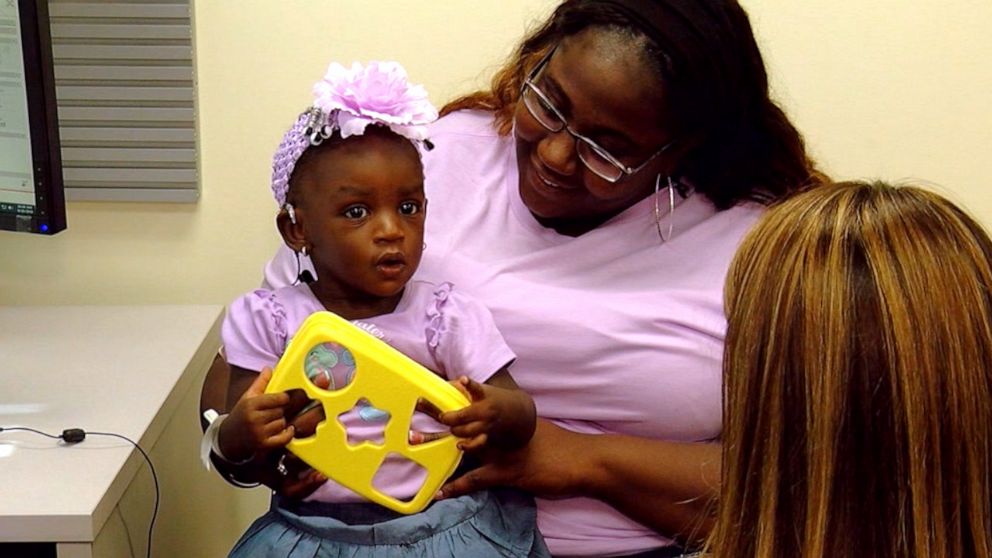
(348, 100)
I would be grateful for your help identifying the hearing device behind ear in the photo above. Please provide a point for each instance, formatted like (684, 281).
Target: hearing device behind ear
(292, 212)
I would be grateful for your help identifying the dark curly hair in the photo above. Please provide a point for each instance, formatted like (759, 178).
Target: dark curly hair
(741, 145)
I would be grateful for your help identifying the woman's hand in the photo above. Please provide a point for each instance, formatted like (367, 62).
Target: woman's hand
(289, 476)
(503, 417)
(257, 423)
(668, 486)
(549, 466)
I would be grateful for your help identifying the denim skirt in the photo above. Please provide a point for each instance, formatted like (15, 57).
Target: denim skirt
(495, 523)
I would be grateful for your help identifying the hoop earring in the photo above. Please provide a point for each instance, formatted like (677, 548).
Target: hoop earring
(671, 208)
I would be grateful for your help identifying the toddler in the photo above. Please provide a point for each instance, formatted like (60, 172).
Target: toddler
(349, 183)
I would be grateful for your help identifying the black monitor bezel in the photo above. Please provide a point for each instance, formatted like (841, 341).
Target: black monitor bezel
(39, 77)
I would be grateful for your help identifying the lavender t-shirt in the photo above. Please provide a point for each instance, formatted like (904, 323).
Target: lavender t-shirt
(615, 331)
(434, 325)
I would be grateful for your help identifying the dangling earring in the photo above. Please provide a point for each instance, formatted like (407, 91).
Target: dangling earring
(302, 275)
(671, 208)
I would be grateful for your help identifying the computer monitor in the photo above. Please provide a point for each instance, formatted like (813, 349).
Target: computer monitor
(32, 198)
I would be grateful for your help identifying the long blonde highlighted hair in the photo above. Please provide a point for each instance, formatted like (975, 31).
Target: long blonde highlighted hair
(858, 380)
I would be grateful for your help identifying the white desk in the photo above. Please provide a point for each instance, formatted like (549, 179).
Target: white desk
(109, 369)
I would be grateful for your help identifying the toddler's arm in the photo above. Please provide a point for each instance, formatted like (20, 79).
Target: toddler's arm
(251, 437)
(501, 414)
(257, 422)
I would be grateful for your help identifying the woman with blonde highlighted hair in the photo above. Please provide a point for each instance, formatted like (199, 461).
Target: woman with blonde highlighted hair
(858, 380)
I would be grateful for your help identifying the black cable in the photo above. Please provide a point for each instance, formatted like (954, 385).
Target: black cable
(76, 435)
(151, 524)
(26, 429)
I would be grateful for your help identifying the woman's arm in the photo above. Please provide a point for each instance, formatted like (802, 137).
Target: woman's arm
(668, 486)
(213, 393)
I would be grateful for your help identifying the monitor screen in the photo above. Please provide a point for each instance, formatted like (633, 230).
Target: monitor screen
(31, 194)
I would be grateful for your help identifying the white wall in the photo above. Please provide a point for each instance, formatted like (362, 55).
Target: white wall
(889, 88)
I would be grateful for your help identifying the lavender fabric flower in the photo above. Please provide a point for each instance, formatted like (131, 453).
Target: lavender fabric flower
(377, 93)
(349, 99)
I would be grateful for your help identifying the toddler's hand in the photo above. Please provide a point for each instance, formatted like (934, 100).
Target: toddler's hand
(303, 413)
(257, 423)
(497, 416)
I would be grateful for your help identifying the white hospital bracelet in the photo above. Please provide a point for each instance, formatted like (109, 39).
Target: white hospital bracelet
(211, 443)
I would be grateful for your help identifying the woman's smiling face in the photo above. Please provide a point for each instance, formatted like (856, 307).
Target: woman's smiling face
(607, 92)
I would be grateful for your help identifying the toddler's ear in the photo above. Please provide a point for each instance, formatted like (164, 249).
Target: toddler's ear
(291, 230)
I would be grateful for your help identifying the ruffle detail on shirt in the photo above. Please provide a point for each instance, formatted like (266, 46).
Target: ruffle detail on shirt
(435, 316)
(277, 311)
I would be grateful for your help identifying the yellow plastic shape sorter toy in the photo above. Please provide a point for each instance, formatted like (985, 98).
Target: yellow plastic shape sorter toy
(390, 381)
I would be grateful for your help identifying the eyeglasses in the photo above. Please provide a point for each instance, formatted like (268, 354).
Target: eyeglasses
(592, 155)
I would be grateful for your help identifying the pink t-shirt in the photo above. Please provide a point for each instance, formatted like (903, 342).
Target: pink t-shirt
(434, 325)
(614, 330)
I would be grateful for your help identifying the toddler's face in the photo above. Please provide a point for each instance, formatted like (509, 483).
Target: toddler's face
(363, 211)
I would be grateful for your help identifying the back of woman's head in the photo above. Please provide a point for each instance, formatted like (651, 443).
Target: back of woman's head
(737, 143)
(858, 380)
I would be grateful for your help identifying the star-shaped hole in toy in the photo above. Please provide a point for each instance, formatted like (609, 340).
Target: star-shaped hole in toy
(365, 423)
